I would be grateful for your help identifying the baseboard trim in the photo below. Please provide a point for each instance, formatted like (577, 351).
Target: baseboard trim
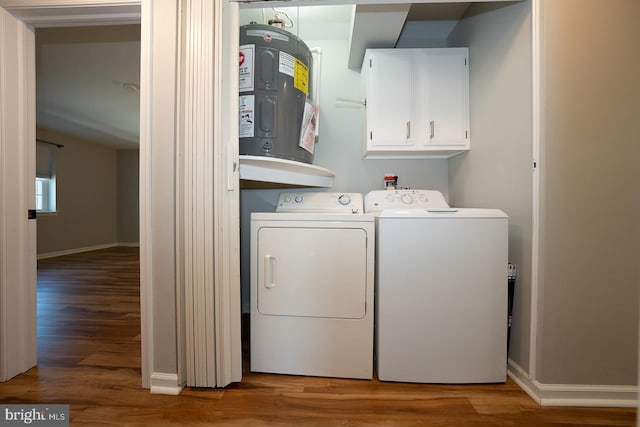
(85, 249)
(163, 383)
(521, 377)
(129, 244)
(76, 250)
(583, 395)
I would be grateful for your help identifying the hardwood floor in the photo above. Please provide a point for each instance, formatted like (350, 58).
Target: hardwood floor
(89, 357)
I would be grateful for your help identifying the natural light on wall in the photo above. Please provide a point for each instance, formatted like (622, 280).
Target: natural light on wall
(45, 176)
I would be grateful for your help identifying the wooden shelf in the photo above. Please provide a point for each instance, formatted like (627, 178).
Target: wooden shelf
(271, 172)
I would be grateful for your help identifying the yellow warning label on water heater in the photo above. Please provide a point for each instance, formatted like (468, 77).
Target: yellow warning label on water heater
(301, 77)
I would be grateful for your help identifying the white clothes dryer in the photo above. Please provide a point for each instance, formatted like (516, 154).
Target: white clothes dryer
(441, 289)
(312, 275)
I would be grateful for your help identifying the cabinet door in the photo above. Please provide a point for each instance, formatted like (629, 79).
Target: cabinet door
(390, 99)
(445, 110)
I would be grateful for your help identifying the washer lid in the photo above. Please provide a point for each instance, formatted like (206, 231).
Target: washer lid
(442, 213)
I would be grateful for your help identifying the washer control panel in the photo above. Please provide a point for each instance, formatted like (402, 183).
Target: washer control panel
(376, 201)
(320, 202)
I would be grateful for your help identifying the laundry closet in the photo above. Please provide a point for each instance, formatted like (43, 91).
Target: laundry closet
(489, 167)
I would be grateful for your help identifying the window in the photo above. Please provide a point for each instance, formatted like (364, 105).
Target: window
(45, 177)
(45, 194)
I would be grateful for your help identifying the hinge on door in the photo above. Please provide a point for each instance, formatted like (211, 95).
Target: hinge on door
(370, 62)
(465, 62)
(371, 135)
(466, 134)
(535, 165)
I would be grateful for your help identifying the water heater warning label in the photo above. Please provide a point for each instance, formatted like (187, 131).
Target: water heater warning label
(295, 68)
(285, 64)
(247, 108)
(301, 77)
(245, 63)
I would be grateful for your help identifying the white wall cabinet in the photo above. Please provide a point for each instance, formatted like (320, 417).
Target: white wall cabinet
(417, 102)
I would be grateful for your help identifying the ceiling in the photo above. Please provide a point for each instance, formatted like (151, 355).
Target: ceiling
(88, 81)
(87, 78)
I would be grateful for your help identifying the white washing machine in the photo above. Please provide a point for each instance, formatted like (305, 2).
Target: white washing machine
(312, 275)
(441, 289)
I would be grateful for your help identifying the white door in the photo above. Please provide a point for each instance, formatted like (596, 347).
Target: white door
(312, 272)
(17, 196)
(390, 95)
(446, 96)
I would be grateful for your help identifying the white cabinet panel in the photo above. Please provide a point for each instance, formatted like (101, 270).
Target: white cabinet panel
(393, 101)
(417, 102)
(446, 101)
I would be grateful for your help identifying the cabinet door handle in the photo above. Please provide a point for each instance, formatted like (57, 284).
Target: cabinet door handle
(409, 130)
(432, 129)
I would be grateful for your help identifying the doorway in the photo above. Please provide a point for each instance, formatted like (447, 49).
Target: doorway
(87, 133)
(87, 152)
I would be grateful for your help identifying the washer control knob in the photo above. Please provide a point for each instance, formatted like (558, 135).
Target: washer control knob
(298, 199)
(344, 199)
(286, 198)
(407, 199)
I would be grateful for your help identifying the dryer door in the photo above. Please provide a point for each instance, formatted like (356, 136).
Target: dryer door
(312, 272)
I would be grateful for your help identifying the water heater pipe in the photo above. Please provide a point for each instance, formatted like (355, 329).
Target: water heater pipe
(277, 21)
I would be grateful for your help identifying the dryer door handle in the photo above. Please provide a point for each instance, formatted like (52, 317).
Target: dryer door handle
(269, 271)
